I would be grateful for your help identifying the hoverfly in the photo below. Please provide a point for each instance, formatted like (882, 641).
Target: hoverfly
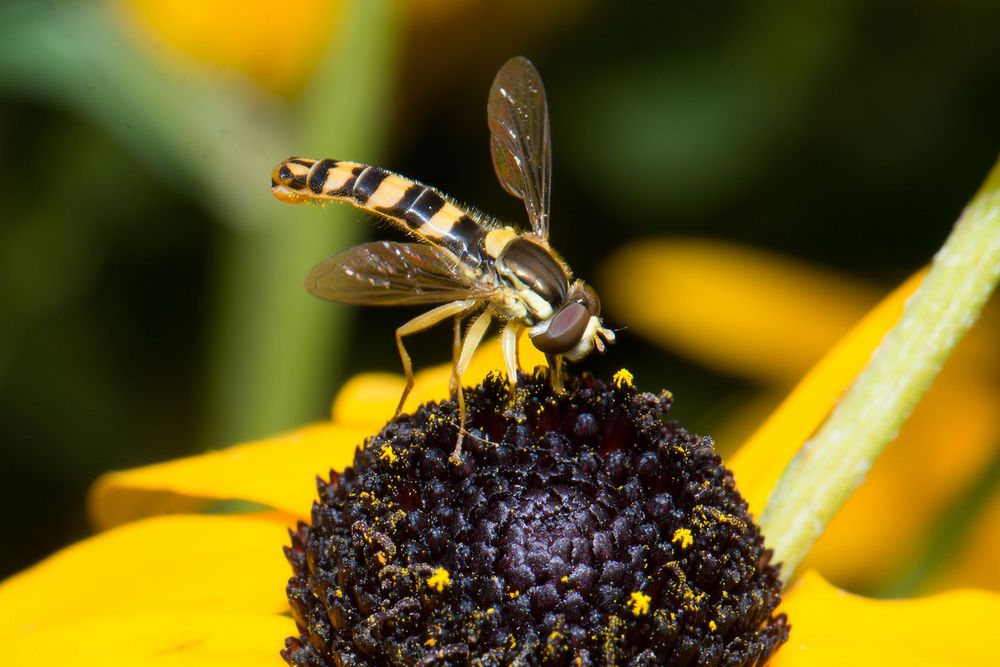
(463, 264)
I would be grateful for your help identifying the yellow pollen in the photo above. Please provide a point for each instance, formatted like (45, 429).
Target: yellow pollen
(683, 535)
(388, 455)
(439, 579)
(565, 579)
(513, 594)
(623, 379)
(639, 602)
(712, 626)
(431, 642)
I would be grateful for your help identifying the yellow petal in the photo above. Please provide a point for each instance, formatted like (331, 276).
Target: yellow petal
(740, 417)
(831, 627)
(740, 310)
(368, 399)
(278, 472)
(160, 638)
(371, 398)
(268, 42)
(187, 563)
(760, 462)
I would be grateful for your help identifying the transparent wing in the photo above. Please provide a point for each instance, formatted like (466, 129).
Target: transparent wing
(519, 136)
(390, 274)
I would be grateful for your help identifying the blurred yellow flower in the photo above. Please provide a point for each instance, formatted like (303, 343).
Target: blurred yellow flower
(162, 585)
(274, 44)
(279, 45)
(768, 318)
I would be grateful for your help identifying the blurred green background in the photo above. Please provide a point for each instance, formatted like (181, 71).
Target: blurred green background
(150, 288)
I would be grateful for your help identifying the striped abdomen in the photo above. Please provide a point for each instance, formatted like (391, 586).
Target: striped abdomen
(416, 208)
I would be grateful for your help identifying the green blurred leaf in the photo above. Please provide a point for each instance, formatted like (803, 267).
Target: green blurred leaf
(273, 353)
(205, 133)
(675, 132)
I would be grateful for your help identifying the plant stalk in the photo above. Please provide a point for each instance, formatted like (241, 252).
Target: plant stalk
(832, 464)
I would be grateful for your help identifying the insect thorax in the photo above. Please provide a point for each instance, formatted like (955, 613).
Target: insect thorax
(535, 274)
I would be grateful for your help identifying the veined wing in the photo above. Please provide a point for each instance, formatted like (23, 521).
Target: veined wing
(385, 273)
(519, 137)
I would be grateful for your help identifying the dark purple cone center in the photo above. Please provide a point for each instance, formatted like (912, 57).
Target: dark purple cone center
(566, 510)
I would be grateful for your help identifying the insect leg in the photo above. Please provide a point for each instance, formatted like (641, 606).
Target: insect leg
(517, 348)
(472, 339)
(422, 323)
(555, 371)
(456, 349)
(508, 343)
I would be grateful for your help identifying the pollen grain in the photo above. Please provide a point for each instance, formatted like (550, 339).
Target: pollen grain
(683, 535)
(439, 579)
(639, 602)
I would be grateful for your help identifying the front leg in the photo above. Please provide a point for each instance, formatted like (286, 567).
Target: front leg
(555, 362)
(509, 344)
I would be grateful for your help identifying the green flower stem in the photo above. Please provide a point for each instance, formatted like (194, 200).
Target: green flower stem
(277, 350)
(835, 461)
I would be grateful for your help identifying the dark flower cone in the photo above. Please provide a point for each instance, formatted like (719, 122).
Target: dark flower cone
(581, 528)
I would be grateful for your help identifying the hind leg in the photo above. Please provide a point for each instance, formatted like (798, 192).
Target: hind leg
(455, 383)
(422, 323)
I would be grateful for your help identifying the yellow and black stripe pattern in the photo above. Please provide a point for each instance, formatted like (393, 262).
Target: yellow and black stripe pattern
(416, 208)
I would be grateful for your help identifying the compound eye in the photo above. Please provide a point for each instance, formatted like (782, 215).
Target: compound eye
(593, 301)
(583, 293)
(565, 329)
